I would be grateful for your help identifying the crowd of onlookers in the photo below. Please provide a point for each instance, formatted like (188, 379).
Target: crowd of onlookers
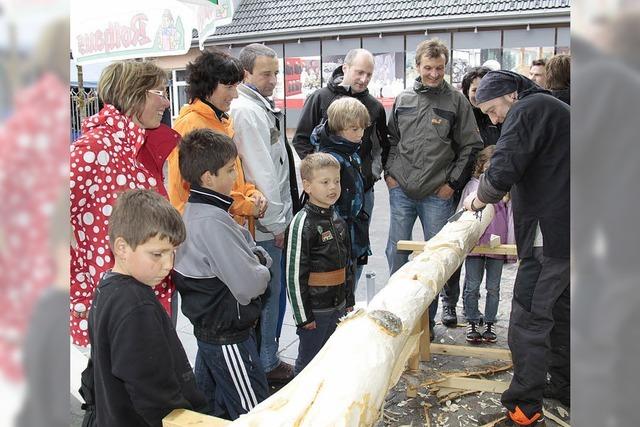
(210, 208)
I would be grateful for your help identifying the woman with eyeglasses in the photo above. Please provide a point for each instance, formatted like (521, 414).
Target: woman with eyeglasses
(104, 162)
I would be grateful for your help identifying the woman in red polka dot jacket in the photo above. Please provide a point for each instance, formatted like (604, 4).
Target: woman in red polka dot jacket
(103, 164)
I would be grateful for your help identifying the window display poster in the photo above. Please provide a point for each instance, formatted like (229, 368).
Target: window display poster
(387, 80)
(329, 64)
(519, 59)
(464, 59)
(301, 78)
(278, 93)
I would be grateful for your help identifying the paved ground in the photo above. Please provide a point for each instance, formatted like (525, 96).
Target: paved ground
(399, 410)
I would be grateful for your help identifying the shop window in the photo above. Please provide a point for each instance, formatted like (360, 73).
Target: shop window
(464, 59)
(519, 59)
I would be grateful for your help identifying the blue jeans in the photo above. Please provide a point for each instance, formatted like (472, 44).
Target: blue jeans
(231, 377)
(311, 341)
(369, 199)
(475, 267)
(282, 305)
(270, 310)
(433, 213)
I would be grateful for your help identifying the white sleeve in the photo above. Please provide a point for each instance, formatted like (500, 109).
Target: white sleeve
(253, 140)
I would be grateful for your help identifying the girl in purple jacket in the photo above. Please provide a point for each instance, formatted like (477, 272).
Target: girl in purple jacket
(476, 265)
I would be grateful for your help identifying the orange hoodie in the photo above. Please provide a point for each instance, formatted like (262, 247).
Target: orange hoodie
(199, 115)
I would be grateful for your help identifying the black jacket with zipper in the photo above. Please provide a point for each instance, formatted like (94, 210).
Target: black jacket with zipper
(532, 161)
(317, 241)
(139, 371)
(217, 272)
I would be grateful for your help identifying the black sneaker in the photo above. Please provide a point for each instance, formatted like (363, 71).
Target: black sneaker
(552, 392)
(449, 317)
(473, 336)
(282, 374)
(488, 335)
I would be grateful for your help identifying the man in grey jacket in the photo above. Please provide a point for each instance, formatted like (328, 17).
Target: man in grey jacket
(268, 164)
(434, 138)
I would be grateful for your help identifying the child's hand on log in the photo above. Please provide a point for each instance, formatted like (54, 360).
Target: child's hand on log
(349, 309)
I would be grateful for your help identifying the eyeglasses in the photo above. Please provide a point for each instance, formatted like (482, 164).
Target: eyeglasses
(161, 93)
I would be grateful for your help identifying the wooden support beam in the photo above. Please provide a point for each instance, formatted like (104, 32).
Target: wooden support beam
(186, 418)
(474, 384)
(498, 250)
(414, 361)
(468, 351)
(425, 339)
(418, 246)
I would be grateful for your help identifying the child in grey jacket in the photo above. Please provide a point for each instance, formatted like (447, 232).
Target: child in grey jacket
(220, 274)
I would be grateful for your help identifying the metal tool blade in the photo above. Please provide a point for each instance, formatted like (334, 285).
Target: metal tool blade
(456, 215)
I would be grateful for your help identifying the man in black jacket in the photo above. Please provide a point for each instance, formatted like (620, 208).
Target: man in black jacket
(350, 79)
(532, 162)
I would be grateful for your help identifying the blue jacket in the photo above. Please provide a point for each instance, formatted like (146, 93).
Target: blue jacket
(350, 205)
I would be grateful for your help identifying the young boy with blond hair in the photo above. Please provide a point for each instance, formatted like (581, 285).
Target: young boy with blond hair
(319, 286)
(138, 366)
(341, 135)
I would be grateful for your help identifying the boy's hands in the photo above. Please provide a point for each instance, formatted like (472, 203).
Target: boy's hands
(261, 204)
(310, 326)
(279, 240)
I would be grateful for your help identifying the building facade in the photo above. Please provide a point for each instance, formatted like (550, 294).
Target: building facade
(312, 39)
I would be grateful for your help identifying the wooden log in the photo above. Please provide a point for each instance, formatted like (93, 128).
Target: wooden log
(347, 381)
(417, 245)
(185, 418)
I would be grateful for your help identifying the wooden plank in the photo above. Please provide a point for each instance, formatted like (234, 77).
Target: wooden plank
(498, 250)
(418, 246)
(186, 418)
(468, 351)
(425, 341)
(475, 384)
(411, 245)
(414, 362)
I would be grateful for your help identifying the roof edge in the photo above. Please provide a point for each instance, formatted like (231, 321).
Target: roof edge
(537, 17)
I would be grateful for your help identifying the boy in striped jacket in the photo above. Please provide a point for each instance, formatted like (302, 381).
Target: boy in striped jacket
(221, 275)
(317, 249)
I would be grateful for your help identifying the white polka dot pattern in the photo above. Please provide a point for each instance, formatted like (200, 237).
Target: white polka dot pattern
(103, 164)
